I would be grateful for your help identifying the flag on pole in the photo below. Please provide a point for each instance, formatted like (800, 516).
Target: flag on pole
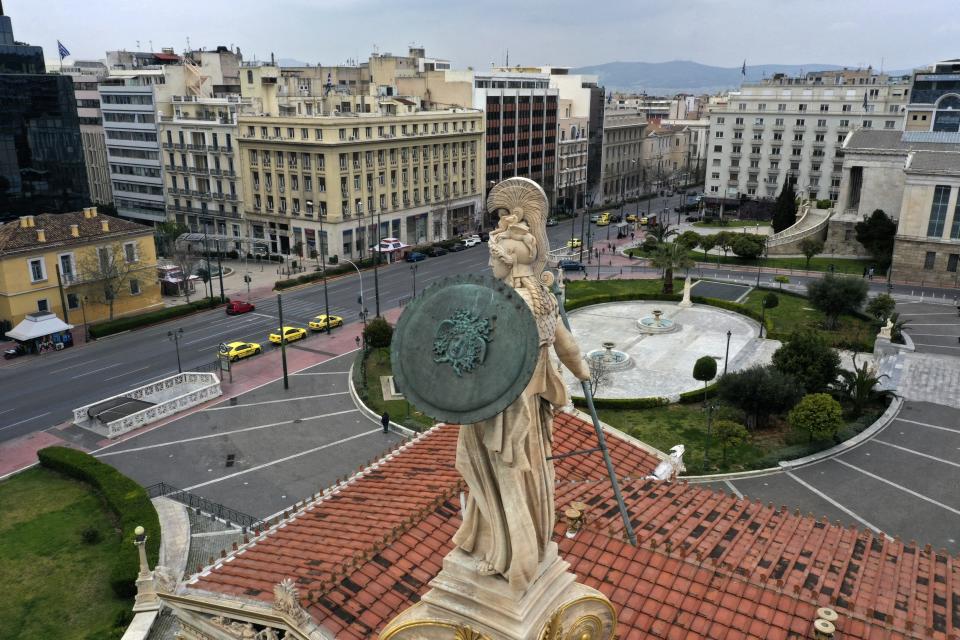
(64, 52)
(743, 69)
(864, 99)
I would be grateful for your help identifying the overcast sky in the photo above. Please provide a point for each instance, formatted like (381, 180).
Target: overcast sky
(559, 32)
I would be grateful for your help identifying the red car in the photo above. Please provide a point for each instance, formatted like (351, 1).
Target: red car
(238, 306)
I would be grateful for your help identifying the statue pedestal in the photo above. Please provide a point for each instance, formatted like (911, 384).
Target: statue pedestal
(465, 605)
(686, 302)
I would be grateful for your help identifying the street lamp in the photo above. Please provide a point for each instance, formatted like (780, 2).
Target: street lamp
(363, 315)
(376, 261)
(726, 358)
(175, 336)
(413, 270)
(323, 264)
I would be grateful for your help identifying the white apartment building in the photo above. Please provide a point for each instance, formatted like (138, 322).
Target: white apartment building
(794, 126)
(622, 173)
(85, 75)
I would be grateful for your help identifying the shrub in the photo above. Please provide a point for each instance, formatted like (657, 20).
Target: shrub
(623, 404)
(781, 280)
(824, 204)
(125, 498)
(729, 434)
(378, 333)
(697, 395)
(807, 357)
(881, 307)
(747, 245)
(90, 535)
(334, 259)
(127, 323)
(817, 415)
(759, 392)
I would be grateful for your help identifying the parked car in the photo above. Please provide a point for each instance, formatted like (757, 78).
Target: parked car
(616, 217)
(320, 322)
(415, 256)
(485, 237)
(692, 219)
(239, 350)
(594, 217)
(457, 247)
(571, 265)
(632, 217)
(235, 307)
(471, 241)
(436, 252)
(551, 222)
(603, 220)
(290, 334)
(574, 243)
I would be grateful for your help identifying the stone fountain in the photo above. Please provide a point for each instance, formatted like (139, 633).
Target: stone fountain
(612, 359)
(656, 323)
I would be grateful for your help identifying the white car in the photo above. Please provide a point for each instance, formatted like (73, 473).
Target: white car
(471, 241)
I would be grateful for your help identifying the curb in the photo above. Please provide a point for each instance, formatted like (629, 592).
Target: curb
(370, 413)
(853, 442)
(736, 475)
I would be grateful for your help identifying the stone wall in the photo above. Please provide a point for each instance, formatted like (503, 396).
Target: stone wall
(842, 237)
(909, 256)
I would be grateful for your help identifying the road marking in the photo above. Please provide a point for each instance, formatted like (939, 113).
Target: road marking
(901, 487)
(254, 404)
(126, 373)
(916, 453)
(263, 315)
(280, 460)
(73, 366)
(735, 491)
(323, 373)
(931, 426)
(934, 335)
(109, 366)
(939, 346)
(224, 433)
(847, 511)
(27, 420)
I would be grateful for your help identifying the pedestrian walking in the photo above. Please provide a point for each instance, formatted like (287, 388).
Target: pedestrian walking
(865, 272)
(870, 274)
(385, 421)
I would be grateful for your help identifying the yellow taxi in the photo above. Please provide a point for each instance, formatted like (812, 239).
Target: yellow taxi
(603, 220)
(320, 322)
(632, 217)
(290, 334)
(644, 220)
(574, 243)
(239, 350)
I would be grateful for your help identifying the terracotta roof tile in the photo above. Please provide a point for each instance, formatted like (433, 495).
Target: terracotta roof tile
(56, 227)
(708, 565)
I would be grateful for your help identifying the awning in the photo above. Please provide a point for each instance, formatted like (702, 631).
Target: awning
(38, 325)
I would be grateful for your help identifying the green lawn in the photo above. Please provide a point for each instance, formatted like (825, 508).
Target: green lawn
(729, 224)
(795, 313)
(378, 364)
(686, 424)
(579, 289)
(56, 584)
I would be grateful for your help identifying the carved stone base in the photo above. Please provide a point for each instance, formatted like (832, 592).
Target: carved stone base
(463, 605)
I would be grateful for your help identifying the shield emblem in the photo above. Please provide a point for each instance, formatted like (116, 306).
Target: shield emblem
(464, 349)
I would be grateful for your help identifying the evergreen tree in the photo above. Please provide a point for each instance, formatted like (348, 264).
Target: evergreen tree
(785, 210)
(876, 234)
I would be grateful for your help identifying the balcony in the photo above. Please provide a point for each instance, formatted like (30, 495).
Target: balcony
(778, 127)
(754, 156)
(799, 128)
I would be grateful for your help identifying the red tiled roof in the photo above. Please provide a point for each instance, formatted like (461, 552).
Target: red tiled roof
(708, 565)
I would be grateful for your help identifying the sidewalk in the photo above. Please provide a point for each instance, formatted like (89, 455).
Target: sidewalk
(18, 454)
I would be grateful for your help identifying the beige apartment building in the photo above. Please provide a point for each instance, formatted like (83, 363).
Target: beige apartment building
(85, 75)
(572, 157)
(327, 179)
(666, 156)
(622, 173)
(794, 126)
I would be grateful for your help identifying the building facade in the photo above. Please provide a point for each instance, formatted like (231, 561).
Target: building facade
(41, 155)
(202, 178)
(572, 166)
(86, 75)
(935, 98)
(623, 171)
(786, 126)
(666, 157)
(415, 173)
(79, 265)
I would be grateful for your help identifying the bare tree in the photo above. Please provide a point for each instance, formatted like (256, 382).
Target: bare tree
(110, 272)
(186, 261)
(599, 374)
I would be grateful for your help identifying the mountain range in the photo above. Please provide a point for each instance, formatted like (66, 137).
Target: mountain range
(684, 76)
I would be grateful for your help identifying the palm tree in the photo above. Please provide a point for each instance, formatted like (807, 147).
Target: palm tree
(857, 386)
(896, 331)
(669, 256)
(661, 232)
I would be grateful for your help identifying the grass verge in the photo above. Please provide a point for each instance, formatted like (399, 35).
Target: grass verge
(368, 369)
(730, 224)
(58, 584)
(795, 313)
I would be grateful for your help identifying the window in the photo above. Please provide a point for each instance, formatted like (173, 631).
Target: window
(889, 124)
(821, 122)
(781, 107)
(134, 287)
(955, 227)
(801, 107)
(130, 252)
(38, 271)
(952, 261)
(930, 260)
(847, 108)
(800, 122)
(938, 211)
(867, 124)
(824, 108)
(43, 305)
(718, 148)
(73, 301)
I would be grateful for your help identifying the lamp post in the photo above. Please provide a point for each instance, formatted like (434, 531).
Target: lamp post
(726, 357)
(376, 261)
(363, 309)
(323, 264)
(283, 342)
(83, 311)
(760, 261)
(175, 336)
(413, 270)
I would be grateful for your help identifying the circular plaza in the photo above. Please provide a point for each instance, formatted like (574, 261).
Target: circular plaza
(661, 363)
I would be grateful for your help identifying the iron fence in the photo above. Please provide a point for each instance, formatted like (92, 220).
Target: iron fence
(228, 515)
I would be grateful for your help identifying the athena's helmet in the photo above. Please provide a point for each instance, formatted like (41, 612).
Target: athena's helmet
(525, 200)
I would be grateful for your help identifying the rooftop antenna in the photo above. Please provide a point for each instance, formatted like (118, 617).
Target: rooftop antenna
(508, 59)
(188, 43)
(151, 44)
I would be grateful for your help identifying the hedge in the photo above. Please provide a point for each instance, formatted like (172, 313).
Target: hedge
(125, 498)
(318, 275)
(695, 396)
(621, 403)
(126, 323)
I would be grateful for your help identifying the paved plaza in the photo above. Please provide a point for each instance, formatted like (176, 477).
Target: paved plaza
(663, 363)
